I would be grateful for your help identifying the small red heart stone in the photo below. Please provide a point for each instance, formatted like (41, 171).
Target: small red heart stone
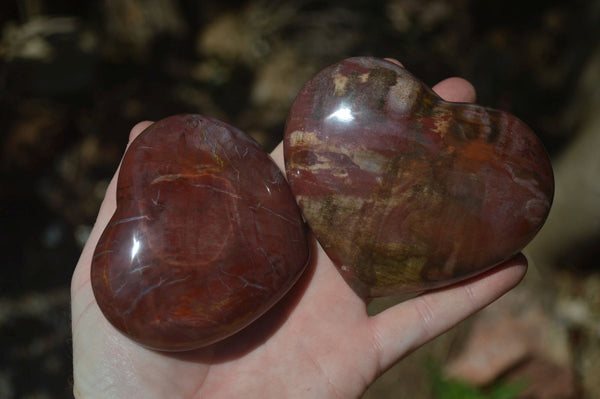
(206, 236)
(405, 191)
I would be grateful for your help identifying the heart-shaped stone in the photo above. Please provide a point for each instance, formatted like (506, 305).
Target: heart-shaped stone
(405, 191)
(206, 236)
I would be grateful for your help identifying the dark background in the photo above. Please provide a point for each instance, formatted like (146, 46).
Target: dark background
(76, 76)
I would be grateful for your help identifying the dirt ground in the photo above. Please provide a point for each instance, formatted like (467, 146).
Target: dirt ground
(76, 76)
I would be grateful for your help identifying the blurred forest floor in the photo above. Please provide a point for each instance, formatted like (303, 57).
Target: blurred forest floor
(76, 76)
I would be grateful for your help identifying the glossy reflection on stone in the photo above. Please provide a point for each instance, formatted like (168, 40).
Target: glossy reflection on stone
(405, 191)
(205, 239)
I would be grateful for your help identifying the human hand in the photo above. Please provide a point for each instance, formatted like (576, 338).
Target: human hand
(318, 341)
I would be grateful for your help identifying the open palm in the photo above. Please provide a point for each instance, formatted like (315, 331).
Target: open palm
(317, 342)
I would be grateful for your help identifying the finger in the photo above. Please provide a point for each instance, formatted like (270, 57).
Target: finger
(137, 129)
(456, 90)
(277, 155)
(82, 271)
(452, 89)
(399, 330)
(394, 61)
(108, 205)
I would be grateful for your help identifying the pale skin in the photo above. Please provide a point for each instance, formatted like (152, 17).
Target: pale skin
(318, 342)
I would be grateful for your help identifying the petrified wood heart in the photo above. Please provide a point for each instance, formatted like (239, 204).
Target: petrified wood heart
(206, 236)
(405, 191)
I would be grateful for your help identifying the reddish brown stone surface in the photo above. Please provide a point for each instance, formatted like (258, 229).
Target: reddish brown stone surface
(205, 239)
(404, 190)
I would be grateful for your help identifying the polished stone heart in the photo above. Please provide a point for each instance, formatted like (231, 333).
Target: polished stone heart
(206, 236)
(405, 191)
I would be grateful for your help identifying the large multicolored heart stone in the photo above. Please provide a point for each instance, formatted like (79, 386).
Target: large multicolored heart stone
(206, 236)
(405, 191)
